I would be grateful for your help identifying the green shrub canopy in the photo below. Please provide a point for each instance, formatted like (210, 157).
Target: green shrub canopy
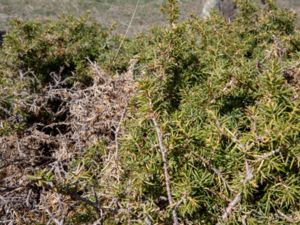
(211, 135)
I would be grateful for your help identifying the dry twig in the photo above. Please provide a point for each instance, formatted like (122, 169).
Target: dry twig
(80, 116)
(163, 153)
(238, 197)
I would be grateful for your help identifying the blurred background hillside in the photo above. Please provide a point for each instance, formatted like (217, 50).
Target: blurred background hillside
(106, 11)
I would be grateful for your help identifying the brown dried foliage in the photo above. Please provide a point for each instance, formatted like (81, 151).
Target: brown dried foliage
(82, 116)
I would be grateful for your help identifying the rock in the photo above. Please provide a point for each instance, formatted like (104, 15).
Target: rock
(226, 7)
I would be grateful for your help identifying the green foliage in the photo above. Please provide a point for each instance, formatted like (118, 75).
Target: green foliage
(60, 46)
(171, 10)
(38, 54)
(226, 99)
(226, 112)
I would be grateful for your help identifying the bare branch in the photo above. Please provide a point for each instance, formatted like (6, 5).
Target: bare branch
(238, 197)
(231, 206)
(165, 167)
(163, 153)
(268, 155)
(290, 219)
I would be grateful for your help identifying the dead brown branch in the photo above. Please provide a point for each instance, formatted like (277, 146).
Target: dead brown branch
(80, 117)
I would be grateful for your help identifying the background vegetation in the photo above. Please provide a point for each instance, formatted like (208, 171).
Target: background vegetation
(105, 11)
(195, 122)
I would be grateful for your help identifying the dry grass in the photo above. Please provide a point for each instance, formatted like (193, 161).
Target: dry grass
(105, 11)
